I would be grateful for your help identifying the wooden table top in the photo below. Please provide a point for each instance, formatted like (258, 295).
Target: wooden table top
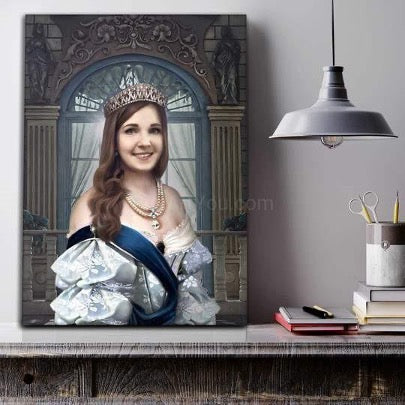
(251, 341)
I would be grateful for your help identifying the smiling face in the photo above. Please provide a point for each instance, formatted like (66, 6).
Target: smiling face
(140, 140)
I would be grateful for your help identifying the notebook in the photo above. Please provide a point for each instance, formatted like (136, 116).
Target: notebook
(296, 315)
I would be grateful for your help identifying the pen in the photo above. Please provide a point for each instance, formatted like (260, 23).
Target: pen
(330, 315)
(320, 313)
(396, 210)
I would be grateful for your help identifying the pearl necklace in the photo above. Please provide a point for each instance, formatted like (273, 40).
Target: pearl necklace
(154, 212)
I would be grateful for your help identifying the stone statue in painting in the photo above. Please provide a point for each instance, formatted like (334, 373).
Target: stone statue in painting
(226, 63)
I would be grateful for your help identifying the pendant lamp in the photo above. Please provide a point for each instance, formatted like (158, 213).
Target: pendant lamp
(333, 117)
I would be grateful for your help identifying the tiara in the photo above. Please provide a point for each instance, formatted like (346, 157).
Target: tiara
(137, 92)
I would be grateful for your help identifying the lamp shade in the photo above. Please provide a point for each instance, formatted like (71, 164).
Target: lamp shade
(333, 115)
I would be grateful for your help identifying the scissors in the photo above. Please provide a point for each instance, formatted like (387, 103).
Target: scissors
(365, 203)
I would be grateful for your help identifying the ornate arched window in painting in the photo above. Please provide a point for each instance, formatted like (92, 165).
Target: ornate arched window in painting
(81, 125)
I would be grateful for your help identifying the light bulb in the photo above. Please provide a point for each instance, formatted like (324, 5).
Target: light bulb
(331, 142)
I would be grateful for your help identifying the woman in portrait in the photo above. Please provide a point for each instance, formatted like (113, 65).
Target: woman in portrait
(132, 257)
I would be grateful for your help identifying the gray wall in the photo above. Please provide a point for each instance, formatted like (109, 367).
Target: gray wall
(307, 249)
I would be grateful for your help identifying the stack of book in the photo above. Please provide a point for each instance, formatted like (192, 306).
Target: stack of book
(297, 320)
(380, 309)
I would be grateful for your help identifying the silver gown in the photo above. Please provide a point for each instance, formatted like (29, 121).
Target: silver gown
(100, 282)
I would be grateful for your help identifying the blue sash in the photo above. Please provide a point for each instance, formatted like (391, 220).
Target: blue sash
(145, 251)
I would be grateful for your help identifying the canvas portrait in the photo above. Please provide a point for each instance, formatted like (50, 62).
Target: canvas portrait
(135, 170)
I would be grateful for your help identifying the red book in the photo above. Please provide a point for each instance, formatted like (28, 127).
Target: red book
(314, 327)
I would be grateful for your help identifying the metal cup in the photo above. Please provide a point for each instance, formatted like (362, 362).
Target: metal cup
(385, 254)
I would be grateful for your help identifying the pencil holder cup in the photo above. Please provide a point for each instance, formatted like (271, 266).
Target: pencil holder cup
(385, 254)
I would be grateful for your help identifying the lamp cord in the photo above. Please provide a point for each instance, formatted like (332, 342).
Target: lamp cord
(333, 34)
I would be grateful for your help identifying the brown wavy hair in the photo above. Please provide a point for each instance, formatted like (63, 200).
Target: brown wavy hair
(107, 200)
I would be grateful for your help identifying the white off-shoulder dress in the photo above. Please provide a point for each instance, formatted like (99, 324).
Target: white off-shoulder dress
(100, 282)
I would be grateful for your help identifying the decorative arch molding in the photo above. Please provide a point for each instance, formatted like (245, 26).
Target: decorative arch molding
(167, 75)
(88, 39)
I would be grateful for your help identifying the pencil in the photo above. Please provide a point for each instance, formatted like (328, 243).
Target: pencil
(395, 214)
